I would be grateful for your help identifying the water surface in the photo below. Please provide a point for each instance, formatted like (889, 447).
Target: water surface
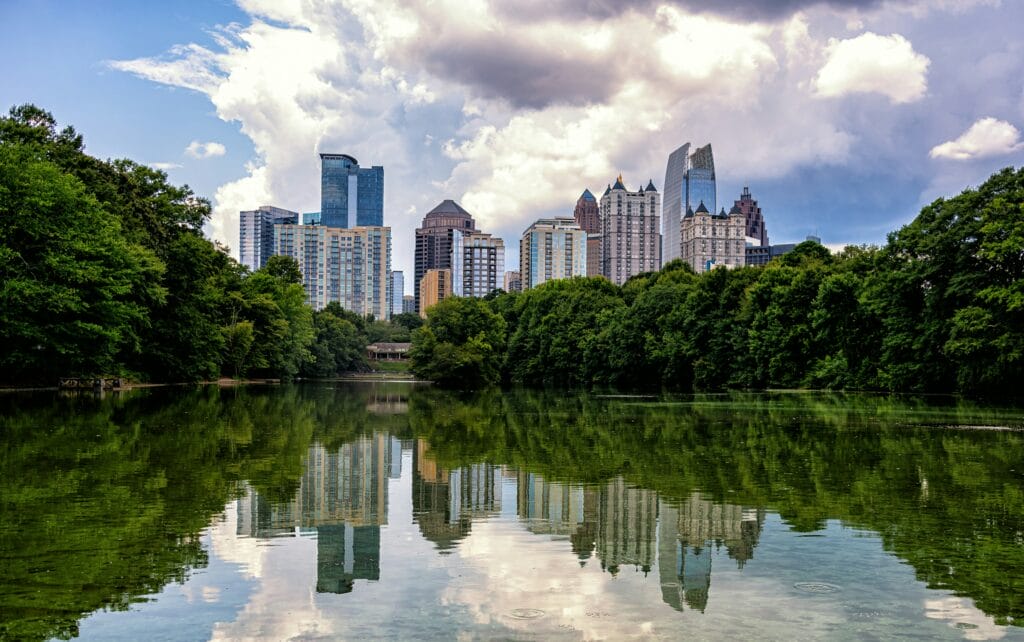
(394, 511)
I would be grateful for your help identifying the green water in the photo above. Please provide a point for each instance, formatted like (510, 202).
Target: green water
(395, 511)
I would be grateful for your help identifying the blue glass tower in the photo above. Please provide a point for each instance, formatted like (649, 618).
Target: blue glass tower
(689, 181)
(350, 196)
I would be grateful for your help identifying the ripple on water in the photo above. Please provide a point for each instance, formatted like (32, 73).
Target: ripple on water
(526, 614)
(816, 587)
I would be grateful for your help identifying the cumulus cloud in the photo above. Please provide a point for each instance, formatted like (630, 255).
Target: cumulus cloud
(196, 149)
(986, 137)
(886, 65)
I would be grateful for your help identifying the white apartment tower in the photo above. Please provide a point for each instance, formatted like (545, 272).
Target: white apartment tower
(630, 231)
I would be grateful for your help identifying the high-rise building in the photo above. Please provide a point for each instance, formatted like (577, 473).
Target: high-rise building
(478, 263)
(434, 240)
(713, 240)
(756, 228)
(256, 233)
(630, 241)
(588, 217)
(311, 218)
(350, 266)
(689, 181)
(350, 196)
(409, 304)
(513, 281)
(762, 254)
(552, 248)
(435, 286)
(397, 291)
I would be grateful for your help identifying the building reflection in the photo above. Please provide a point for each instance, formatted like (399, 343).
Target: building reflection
(445, 502)
(343, 500)
(687, 532)
(614, 521)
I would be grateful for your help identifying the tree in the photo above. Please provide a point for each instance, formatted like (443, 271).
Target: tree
(74, 293)
(460, 345)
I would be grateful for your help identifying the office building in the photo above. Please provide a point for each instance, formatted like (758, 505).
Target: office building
(630, 238)
(350, 196)
(513, 281)
(552, 248)
(588, 216)
(434, 241)
(761, 255)
(397, 291)
(478, 263)
(311, 218)
(351, 266)
(409, 304)
(713, 240)
(756, 231)
(435, 286)
(256, 233)
(689, 181)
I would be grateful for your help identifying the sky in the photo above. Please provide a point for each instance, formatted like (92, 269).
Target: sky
(844, 117)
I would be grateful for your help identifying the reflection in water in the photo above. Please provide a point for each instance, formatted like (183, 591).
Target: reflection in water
(119, 493)
(343, 499)
(446, 501)
(686, 532)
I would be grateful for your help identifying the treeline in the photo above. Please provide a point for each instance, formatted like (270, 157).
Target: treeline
(939, 308)
(104, 270)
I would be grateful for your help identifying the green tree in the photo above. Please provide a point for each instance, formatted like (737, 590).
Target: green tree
(461, 344)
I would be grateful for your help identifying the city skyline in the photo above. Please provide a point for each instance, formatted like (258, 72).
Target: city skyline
(843, 117)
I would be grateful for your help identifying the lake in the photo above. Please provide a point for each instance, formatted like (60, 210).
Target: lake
(399, 511)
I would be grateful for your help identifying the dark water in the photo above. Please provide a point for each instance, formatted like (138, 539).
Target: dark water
(392, 511)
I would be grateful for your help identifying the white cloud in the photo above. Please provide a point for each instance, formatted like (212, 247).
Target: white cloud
(986, 137)
(165, 166)
(196, 149)
(872, 63)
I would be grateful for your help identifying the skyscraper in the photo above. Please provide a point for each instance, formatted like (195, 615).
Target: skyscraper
(756, 228)
(630, 242)
(713, 240)
(588, 217)
(434, 240)
(552, 248)
(435, 286)
(350, 196)
(350, 266)
(689, 181)
(256, 233)
(397, 291)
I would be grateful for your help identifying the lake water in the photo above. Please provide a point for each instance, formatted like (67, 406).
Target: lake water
(397, 511)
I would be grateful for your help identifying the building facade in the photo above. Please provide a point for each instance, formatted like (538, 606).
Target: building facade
(350, 196)
(630, 238)
(552, 248)
(513, 281)
(435, 286)
(256, 233)
(761, 255)
(754, 219)
(397, 291)
(478, 263)
(434, 240)
(351, 266)
(689, 181)
(588, 216)
(713, 240)
(409, 304)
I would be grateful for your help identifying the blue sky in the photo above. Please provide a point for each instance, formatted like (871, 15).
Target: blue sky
(843, 116)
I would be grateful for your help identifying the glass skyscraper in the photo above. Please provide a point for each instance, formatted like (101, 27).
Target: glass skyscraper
(350, 196)
(256, 233)
(689, 181)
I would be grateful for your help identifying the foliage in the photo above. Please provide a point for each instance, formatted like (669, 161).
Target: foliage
(460, 345)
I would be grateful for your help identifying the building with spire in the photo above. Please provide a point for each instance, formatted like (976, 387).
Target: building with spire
(588, 217)
(630, 238)
(434, 239)
(689, 181)
(756, 231)
(713, 240)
